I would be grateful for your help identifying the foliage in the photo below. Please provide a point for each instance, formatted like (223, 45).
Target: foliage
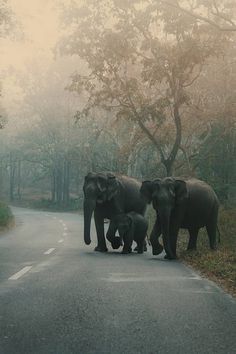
(5, 215)
(219, 265)
(141, 58)
(5, 18)
(217, 163)
(153, 85)
(213, 13)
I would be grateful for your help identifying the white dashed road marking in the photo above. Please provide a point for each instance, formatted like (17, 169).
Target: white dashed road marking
(20, 273)
(50, 250)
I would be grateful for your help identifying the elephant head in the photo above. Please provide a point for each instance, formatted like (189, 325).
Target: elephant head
(98, 188)
(123, 223)
(165, 195)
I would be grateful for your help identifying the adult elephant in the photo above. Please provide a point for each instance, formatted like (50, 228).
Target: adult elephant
(107, 195)
(181, 203)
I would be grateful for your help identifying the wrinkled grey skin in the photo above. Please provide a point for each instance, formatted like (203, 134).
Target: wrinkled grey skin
(131, 227)
(106, 195)
(181, 203)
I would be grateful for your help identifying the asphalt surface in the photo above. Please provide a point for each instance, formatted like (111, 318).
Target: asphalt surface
(59, 296)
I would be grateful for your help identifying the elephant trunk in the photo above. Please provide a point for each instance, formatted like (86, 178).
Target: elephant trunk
(89, 206)
(165, 227)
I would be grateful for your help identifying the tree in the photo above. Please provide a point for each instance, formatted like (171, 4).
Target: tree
(5, 18)
(6, 24)
(141, 59)
(217, 159)
(217, 14)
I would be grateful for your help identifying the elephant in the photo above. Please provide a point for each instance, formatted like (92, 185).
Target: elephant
(131, 227)
(186, 203)
(107, 194)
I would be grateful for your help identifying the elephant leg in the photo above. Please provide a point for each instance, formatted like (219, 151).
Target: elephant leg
(173, 242)
(140, 246)
(99, 224)
(111, 232)
(115, 241)
(144, 247)
(211, 228)
(157, 248)
(192, 243)
(172, 247)
(174, 230)
(127, 244)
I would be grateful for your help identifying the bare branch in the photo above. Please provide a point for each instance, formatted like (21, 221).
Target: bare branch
(199, 17)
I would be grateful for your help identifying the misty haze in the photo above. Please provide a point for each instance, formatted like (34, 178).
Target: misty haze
(117, 176)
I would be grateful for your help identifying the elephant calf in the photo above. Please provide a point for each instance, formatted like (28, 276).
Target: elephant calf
(131, 227)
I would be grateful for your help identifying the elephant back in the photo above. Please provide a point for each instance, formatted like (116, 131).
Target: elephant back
(130, 190)
(202, 201)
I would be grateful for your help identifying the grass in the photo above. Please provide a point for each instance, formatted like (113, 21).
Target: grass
(6, 217)
(219, 265)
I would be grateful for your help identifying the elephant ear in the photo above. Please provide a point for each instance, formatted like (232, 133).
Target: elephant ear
(181, 192)
(102, 183)
(112, 186)
(146, 190)
(87, 178)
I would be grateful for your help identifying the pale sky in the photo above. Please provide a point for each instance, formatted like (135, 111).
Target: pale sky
(39, 20)
(19, 56)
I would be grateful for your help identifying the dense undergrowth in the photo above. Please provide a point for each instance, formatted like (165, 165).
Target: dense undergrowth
(6, 217)
(219, 265)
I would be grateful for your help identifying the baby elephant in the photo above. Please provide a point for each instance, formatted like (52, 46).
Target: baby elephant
(131, 227)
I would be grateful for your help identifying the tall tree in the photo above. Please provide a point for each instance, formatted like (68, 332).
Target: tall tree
(142, 57)
(6, 23)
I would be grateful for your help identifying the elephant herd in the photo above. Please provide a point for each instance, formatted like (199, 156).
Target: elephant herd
(186, 203)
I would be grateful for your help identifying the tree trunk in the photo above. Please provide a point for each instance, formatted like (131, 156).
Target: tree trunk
(19, 179)
(53, 186)
(59, 185)
(66, 182)
(12, 177)
(1, 178)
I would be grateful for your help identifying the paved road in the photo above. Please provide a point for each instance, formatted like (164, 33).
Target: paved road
(58, 296)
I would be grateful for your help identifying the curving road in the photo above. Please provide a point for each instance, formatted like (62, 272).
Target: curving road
(58, 296)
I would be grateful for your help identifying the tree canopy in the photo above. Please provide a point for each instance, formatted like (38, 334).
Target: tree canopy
(142, 57)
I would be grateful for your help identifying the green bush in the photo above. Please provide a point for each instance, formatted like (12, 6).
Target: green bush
(5, 214)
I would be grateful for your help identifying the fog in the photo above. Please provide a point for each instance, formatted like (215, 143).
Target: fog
(142, 88)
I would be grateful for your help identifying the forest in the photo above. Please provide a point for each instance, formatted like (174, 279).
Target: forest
(143, 88)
